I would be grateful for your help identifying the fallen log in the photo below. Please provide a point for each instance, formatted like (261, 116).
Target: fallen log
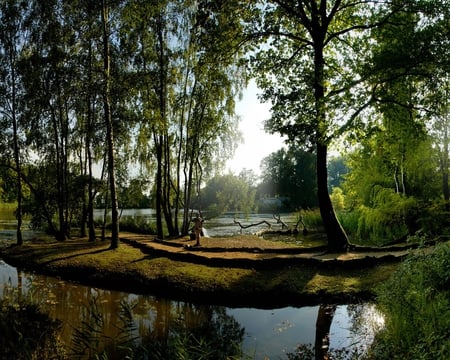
(250, 225)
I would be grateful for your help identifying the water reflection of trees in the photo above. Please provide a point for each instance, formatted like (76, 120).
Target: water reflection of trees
(364, 322)
(169, 329)
(165, 329)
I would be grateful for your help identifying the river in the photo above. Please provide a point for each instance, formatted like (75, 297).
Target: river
(268, 333)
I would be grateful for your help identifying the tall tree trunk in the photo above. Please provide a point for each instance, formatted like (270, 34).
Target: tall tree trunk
(89, 139)
(337, 238)
(90, 204)
(60, 232)
(444, 166)
(109, 129)
(83, 171)
(172, 228)
(18, 166)
(159, 190)
(164, 160)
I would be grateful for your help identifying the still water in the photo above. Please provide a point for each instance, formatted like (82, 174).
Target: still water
(268, 333)
(225, 224)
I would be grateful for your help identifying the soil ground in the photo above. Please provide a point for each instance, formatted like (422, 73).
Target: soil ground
(252, 249)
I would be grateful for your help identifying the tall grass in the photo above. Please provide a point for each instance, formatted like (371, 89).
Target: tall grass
(312, 219)
(416, 302)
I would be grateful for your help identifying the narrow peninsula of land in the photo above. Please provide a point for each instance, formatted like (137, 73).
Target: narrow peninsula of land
(236, 271)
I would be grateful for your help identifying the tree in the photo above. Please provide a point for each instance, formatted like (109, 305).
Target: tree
(393, 170)
(227, 193)
(109, 125)
(337, 169)
(47, 73)
(88, 135)
(11, 40)
(440, 129)
(312, 66)
(315, 92)
(291, 174)
(185, 89)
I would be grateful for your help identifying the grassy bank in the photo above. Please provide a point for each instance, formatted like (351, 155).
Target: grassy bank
(128, 269)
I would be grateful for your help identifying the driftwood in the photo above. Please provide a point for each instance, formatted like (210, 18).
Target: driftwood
(250, 225)
(279, 221)
(285, 229)
(300, 220)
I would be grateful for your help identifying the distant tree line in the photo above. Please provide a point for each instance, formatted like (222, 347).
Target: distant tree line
(90, 90)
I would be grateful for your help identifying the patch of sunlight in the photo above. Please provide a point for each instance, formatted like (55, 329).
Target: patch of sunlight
(333, 282)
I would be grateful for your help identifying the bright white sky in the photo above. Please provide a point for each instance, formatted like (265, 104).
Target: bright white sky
(257, 143)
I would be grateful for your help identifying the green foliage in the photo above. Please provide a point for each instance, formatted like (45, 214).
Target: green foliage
(337, 169)
(392, 216)
(435, 218)
(338, 199)
(350, 220)
(416, 302)
(131, 196)
(228, 193)
(7, 211)
(391, 181)
(312, 219)
(138, 224)
(290, 174)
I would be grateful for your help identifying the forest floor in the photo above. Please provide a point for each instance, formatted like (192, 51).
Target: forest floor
(234, 271)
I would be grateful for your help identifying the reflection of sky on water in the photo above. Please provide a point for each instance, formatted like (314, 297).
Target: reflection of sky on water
(271, 333)
(366, 321)
(275, 332)
(8, 276)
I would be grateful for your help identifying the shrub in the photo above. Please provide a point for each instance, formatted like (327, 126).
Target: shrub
(434, 218)
(138, 225)
(391, 216)
(312, 219)
(416, 303)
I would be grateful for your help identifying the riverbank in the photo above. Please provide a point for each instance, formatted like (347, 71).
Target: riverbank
(242, 271)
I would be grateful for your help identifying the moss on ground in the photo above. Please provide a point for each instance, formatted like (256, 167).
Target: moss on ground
(128, 269)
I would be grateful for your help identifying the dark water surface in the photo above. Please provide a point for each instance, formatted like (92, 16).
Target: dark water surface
(268, 333)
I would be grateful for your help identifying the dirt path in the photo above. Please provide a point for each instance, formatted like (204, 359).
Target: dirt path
(251, 251)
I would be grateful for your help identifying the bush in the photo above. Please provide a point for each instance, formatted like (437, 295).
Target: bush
(312, 219)
(391, 216)
(416, 303)
(138, 225)
(434, 218)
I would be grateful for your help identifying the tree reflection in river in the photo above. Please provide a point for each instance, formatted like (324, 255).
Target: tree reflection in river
(323, 325)
(160, 327)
